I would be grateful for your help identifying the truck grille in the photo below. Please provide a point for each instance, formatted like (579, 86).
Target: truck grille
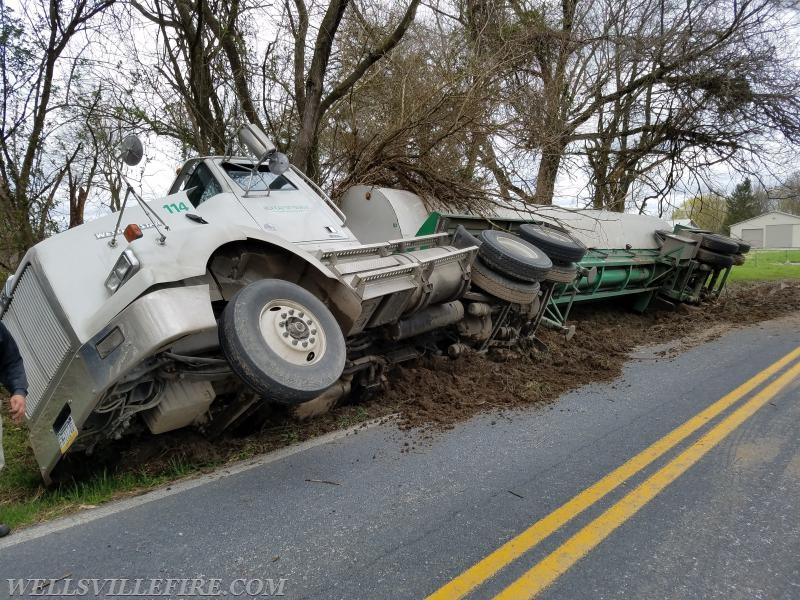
(43, 342)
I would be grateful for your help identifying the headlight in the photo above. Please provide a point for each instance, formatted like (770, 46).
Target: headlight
(126, 266)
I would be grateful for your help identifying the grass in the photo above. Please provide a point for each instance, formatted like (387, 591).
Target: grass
(768, 265)
(356, 416)
(25, 500)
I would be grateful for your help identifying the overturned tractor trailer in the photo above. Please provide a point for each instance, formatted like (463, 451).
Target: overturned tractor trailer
(246, 287)
(596, 255)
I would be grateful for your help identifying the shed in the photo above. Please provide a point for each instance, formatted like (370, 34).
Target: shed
(774, 229)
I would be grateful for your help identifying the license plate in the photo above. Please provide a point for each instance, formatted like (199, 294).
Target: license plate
(67, 434)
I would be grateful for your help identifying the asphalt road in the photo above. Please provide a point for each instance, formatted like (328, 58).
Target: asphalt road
(359, 517)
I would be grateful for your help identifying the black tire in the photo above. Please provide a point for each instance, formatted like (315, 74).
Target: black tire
(744, 247)
(738, 260)
(719, 243)
(500, 286)
(511, 255)
(275, 364)
(714, 258)
(563, 273)
(558, 245)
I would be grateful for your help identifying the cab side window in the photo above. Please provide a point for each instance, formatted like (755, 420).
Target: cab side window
(201, 185)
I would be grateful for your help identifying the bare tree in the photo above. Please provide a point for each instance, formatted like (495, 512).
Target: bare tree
(31, 55)
(201, 60)
(727, 89)
(645, 92)
(418, 121)
(89, 149)
(207, 57)
(314, 92)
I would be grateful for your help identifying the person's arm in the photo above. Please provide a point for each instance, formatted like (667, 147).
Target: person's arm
(12, 373)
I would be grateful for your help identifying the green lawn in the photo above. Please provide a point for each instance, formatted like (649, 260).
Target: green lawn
(766, 265)
(25, 500)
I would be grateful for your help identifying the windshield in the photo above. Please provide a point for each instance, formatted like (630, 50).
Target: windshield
(256, 181)
(201, 185)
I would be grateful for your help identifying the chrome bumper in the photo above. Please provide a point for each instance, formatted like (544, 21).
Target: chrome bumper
(148, 325)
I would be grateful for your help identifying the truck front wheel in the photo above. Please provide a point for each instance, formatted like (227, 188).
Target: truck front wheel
(282, 341)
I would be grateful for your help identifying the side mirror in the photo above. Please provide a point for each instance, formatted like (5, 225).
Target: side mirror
(278, 163)
(131, 150)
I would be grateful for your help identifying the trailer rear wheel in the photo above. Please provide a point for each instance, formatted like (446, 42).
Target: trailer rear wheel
(563, 273)
(500, 286)
(714, 258)
(511, 255)
(719, 243)
(282, 341)
(558, 245)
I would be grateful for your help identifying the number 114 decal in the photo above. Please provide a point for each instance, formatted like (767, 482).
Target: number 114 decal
(175, 208)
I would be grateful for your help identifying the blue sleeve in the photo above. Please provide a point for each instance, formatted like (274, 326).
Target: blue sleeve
(12, 371)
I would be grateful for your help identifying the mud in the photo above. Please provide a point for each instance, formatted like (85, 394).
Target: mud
(439, 392)
(435, 393)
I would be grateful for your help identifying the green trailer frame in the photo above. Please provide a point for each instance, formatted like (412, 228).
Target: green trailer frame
(670, 272)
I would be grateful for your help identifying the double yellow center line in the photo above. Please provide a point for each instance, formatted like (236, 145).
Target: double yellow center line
(580, 544)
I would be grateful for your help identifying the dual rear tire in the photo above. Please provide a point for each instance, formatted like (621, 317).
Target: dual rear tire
(719, 250)
(508, 265)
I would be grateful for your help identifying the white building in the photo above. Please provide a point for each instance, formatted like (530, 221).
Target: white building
(774, 229)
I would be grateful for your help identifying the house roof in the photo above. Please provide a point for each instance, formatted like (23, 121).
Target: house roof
(770, 212)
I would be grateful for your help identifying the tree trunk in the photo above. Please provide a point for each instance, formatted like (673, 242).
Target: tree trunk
(547, 173)
(311, 105)
(311, 112)
(309, 123)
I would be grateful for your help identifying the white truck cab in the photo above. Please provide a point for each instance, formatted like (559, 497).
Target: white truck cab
(243, 282)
